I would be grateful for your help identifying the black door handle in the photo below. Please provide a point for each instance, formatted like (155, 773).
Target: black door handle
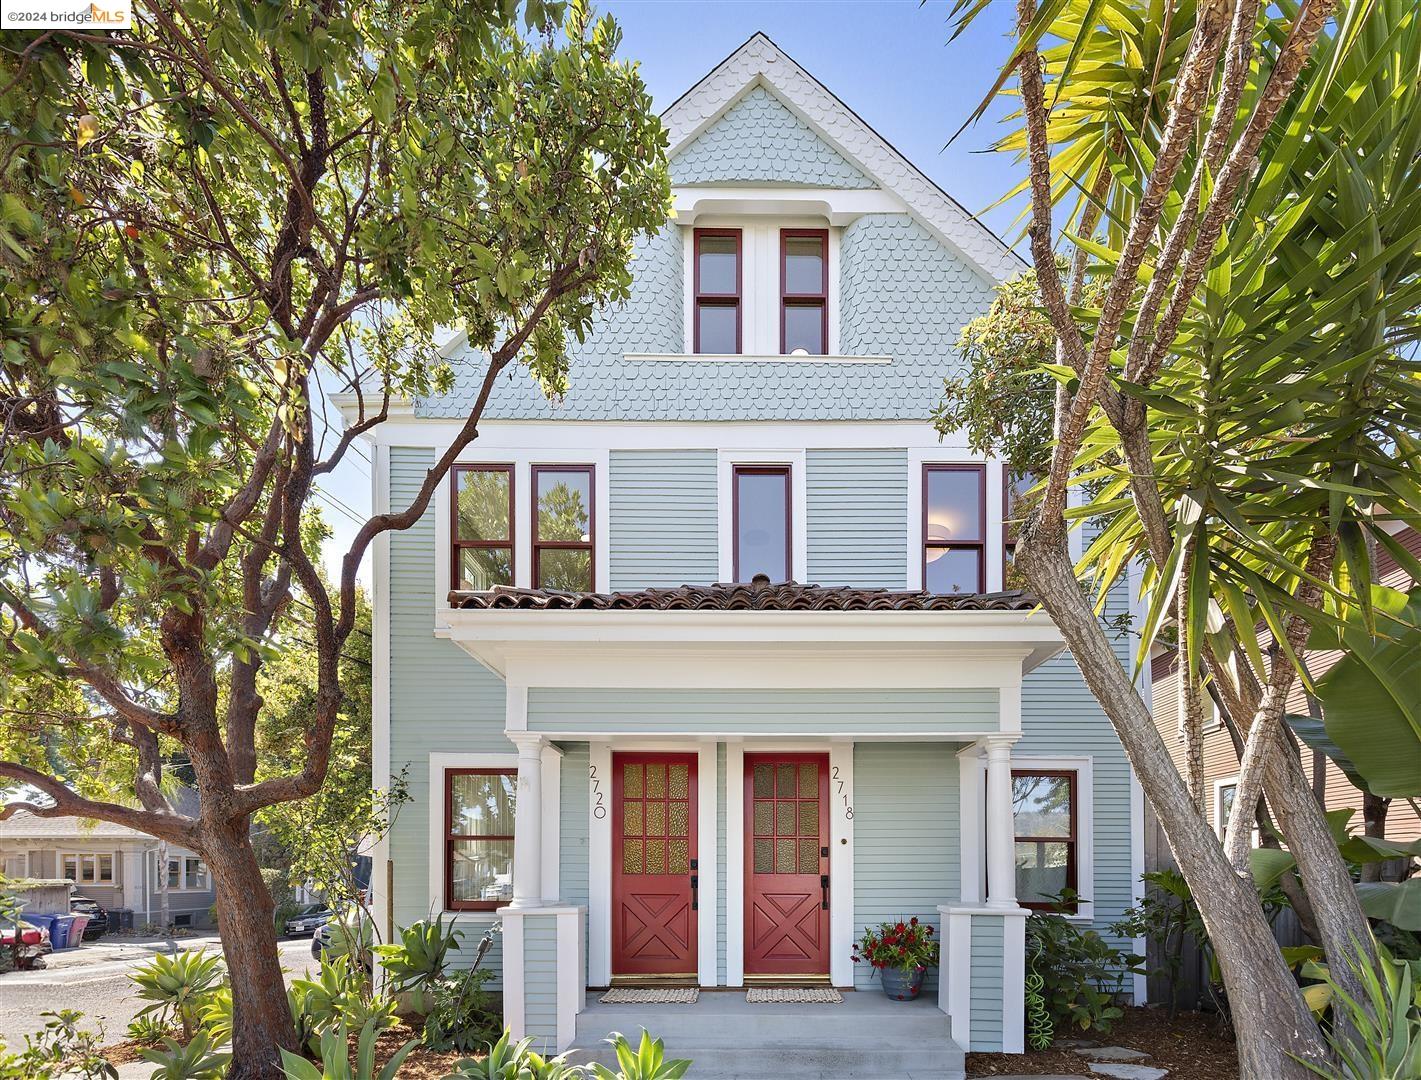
(695, 892)
(824, 891)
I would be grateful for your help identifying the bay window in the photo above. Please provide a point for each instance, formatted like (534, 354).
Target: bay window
(483, 526)
(717, 281)
(479, 807)
(563, 523)
(804, 291)
(954, 528)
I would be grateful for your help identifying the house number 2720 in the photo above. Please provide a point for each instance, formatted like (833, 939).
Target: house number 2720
(839, 790)
(599, 811)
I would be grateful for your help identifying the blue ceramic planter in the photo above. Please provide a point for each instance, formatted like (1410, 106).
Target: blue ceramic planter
(902, 985)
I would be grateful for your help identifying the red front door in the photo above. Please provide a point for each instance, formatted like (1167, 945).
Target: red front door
(786, 864)
(654, 864)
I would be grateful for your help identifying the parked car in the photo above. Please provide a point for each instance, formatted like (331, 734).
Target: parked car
(359, 932)
(308, 920)
(98, 917)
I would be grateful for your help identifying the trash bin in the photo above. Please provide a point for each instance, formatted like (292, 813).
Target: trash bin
(120, 919)
(60, 936)
(45, 923)
(76, 932)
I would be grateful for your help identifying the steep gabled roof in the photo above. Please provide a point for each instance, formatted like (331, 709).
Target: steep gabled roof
(760, 62)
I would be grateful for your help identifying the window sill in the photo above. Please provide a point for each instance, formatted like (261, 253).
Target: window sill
(754, 358)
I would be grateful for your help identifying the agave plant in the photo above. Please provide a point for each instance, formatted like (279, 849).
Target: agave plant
(335, 1057)
(646, 1062)
(178, 985)
(198, 1060)
(417, 962)
(507, 1060)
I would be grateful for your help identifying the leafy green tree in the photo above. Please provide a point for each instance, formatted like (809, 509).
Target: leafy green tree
(203, 219)
(1237, 397)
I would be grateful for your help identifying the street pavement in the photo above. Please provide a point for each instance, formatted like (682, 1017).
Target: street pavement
(94, 980)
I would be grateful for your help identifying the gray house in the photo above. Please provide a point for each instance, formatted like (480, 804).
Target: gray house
(703, 670)
(115, 865)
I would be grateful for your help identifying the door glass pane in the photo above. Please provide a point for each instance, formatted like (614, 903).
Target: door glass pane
(565, 569)
(631, 819)
(764, 818)
(1041, 805)
(784, 818)
(808, 780)
(655, 819)
(804, 265)
(784, 856)
(809, 857)
(954, 509)
(483, 804)
(761, 524)
(633, 857)
(809, 819)
(784, 782)
(764, 862)
(656, 856)
(680, 819)
(1041, 870)
(483, 504)
(483, 568)
(804, 328)
(718, 265)
(952, 570)
(680, 778)
(656, 780)
(764, 781)
(565, 505)
(717, 324)
(678, 857)
(631, 781)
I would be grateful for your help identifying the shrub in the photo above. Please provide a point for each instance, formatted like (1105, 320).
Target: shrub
(335, 1058)
(1082, 974)
(646, 1062)
(178, 986)
(417, 962)
(338, 996)
(148, 1029)
(1387, 1025)
(461, 1013)
(61, 1049)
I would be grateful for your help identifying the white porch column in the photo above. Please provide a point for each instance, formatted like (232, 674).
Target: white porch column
(1001, 831)
(528, 822)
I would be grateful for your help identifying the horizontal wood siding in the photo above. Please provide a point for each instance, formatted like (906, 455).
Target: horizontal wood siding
(986, 1006)
(440, 701)
(573, 859)
(857, 531)
(810, 712)
(907, 849)
(540, 986)
(663, 518)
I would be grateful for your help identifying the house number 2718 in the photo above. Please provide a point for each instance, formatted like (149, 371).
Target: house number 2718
(839, 790)
(599, 811)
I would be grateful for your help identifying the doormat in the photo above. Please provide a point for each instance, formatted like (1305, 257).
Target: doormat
(794, 995)
(671, 995)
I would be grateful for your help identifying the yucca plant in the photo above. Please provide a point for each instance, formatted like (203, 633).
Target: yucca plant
(197, 1060)
(178, 985)
(1384, 1034)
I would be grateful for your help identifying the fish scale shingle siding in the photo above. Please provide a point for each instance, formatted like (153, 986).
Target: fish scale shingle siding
(663, 518)
(440, 700)
(906, 860)
(759, 140)
(857, 528)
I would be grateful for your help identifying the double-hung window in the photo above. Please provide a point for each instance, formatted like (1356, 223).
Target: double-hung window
(717, 281)
(479, 809)
(483, 526)
(804, 291)
(954, 528)
(760, 513)
(1044, 812)
(88, 869)
(563, 522)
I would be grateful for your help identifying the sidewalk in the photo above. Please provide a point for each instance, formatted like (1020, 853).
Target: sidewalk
(113, 947)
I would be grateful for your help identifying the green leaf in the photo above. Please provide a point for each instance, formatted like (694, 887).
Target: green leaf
(1399, 903)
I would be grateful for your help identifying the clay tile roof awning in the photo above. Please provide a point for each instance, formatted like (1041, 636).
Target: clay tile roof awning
(758, 595)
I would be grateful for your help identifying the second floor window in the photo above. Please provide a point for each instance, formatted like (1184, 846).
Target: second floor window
(761, 522)
(804, 291)
(717, 291)
(563, 525)
(954, 528)
(483, 526)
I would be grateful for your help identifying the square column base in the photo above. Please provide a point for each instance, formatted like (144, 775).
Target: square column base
(992, 942)
(544, 973)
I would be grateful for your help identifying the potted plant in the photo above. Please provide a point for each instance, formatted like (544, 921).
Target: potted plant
(901, 953)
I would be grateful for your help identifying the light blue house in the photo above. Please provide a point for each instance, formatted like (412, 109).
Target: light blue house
(653, 779)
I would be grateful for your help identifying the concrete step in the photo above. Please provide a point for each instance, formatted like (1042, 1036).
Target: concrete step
(867, 1036)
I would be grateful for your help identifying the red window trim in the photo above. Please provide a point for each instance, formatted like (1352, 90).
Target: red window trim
(716, 299)
(979, 545)
(456, 544)
(1071, 841)
(590, 546)
(821, 298)
(760, 470)
(451, 904)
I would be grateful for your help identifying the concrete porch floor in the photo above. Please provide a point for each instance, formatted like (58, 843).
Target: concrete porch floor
(868, 1037)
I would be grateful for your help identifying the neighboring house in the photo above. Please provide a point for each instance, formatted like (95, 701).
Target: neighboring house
(113, 864)
(651, 777)
(1221, 757)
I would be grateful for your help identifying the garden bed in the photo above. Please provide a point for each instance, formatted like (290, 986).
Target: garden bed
(1192, 1046)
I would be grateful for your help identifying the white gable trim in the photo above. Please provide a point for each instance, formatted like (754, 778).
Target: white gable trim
(760, 62)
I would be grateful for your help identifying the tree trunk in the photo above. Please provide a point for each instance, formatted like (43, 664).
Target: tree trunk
(261, 1018)
(1274, 1024)
(165, 915)
(1374, 811)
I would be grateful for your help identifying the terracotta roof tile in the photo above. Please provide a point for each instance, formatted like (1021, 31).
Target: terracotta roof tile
(758, 595)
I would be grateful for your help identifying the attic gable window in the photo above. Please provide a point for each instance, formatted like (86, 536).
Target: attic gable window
(718, 275)
(804, 291)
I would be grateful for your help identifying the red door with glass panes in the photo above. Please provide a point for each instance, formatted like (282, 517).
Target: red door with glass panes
(654, 879)
(787, 865)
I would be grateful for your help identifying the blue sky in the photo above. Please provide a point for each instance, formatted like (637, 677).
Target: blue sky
(888, 60)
